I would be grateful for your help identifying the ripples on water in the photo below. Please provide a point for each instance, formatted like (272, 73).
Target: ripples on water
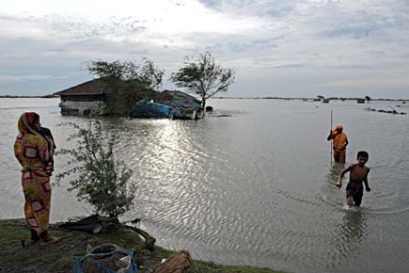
(251, 184)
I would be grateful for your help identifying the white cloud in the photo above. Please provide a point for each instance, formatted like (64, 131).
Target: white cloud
(307, 43)
(122, 17)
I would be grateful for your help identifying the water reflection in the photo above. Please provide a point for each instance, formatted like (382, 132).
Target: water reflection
(334, 172)
(347, 238)
(330, 193)
(353, 228)
(352, 232)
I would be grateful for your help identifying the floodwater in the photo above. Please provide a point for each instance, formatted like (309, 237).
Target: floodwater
(250, 184)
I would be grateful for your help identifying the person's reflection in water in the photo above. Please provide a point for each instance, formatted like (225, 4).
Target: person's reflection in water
(354, 226)
(329, 193)
(350, 234)
(334, 172)
(349, 229)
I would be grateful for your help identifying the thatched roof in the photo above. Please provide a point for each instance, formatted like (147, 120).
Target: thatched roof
(92, 87)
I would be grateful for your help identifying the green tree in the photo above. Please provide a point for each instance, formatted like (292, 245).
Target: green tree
(124, 96)
(151, 74)
(147, 75)
(203, 77)
(127, 82)
(94, 173)
(112, 70)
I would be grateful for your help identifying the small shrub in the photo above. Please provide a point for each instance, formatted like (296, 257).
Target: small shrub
(94, 173)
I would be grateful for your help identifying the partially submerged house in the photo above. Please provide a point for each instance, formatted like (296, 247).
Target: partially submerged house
(84, 99)
(102, 97)
(97, 97)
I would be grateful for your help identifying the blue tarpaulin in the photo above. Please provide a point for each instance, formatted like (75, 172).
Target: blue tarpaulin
(150, 109)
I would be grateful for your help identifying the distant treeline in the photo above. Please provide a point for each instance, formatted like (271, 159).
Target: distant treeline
(244, 98)
(20, 97)
(310, 99)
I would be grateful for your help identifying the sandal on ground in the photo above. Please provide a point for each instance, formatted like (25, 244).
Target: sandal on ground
(50, 240)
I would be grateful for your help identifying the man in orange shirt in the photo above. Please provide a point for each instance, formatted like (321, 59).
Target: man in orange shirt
(339, 144)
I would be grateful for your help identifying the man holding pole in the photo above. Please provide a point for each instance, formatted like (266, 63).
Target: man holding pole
(339, 144)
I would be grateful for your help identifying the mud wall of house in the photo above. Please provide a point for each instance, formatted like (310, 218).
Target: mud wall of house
(82, 107)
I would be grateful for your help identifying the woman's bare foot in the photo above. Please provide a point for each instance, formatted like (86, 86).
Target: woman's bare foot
(50, 240)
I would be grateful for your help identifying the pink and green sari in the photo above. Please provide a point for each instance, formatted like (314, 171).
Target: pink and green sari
(31, 150)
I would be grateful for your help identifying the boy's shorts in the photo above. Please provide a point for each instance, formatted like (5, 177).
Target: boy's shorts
(356, 193)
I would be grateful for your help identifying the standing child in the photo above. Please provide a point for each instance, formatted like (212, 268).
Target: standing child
(357, 177)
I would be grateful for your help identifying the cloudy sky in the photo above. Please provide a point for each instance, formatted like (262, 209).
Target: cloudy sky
(277, 48)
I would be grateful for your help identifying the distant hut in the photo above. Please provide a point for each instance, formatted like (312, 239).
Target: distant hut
(360, 100)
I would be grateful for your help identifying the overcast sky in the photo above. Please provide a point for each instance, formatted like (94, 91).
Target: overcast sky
(291, 48)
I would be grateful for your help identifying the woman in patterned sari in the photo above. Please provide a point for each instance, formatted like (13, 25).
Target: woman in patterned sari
(34, 153)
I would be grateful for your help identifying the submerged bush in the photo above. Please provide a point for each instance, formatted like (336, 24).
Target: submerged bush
(94, 173)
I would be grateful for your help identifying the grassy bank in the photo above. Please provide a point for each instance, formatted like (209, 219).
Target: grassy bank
(59, 257)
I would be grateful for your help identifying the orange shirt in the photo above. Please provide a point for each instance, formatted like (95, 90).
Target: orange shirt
(340, 140)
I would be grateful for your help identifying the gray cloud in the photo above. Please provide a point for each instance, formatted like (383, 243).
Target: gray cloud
(296, 46)
(13, 78)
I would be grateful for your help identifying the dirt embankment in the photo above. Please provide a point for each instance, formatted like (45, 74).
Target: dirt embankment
(60, 257)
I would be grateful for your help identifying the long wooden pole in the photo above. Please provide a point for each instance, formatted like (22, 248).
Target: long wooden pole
(331, 138)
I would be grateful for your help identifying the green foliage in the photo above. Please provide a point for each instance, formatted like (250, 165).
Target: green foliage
(147, 76)
(126, 94)
(203, 77)
(151, 74)
(128, 83)
(95, 174)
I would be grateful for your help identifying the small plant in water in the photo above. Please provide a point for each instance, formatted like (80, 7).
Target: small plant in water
(98, 178)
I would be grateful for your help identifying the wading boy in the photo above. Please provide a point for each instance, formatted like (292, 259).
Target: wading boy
(358, 177)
